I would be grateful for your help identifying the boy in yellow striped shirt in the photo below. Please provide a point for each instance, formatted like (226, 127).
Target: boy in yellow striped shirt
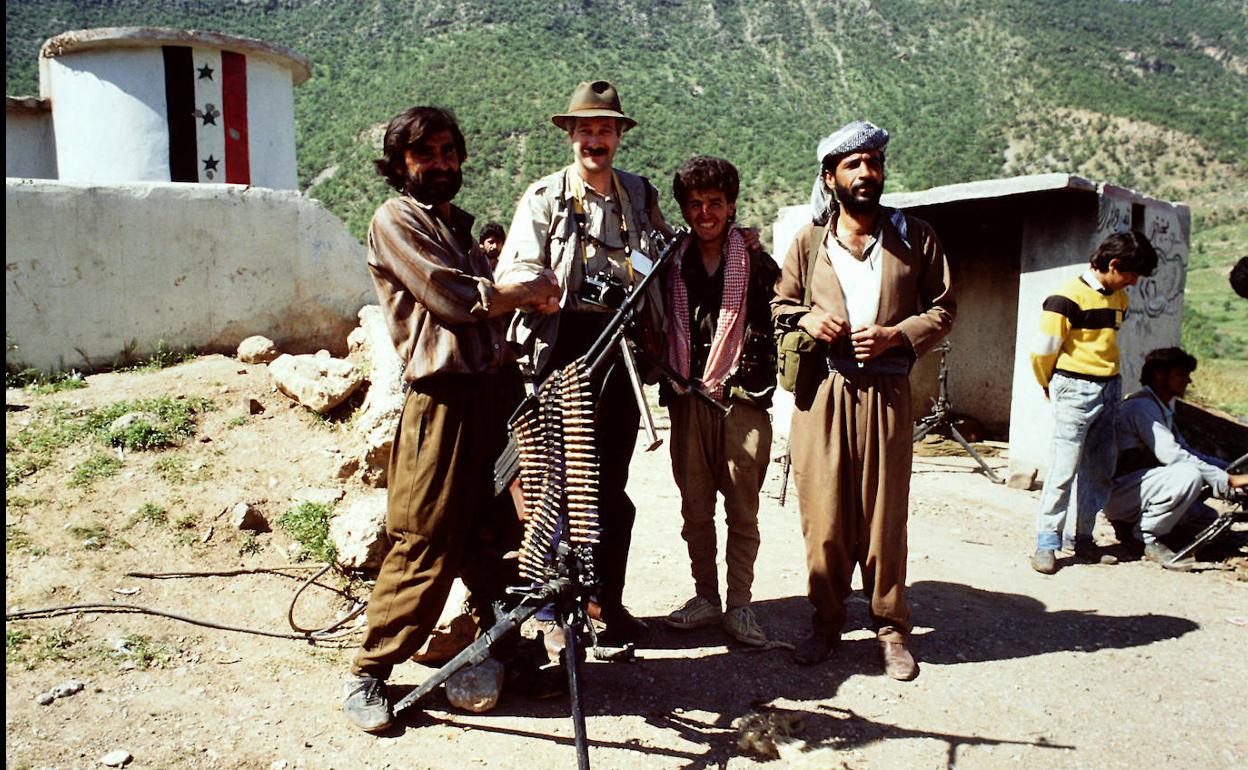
(1076, 362)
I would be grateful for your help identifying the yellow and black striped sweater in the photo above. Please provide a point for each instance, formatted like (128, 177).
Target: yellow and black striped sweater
(1079, 331)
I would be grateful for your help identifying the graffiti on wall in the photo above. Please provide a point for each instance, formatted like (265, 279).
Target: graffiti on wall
(1161, 293)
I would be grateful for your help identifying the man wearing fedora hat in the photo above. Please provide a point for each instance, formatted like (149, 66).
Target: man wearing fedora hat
(590, 222)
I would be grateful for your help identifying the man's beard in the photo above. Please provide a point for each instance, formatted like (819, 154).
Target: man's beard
(865, 201)
(434, 187)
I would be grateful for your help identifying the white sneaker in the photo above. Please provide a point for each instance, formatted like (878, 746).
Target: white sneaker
(696, 613)
(741, 625)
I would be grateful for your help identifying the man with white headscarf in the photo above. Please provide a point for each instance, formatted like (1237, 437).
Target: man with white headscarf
(872, 286)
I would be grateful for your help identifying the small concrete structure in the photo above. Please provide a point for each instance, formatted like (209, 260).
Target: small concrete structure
(1012, 242)
(93, 272)
(138, 104)
(29, 139)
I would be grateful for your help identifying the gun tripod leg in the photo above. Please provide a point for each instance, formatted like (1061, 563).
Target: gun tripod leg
(989, 472)
(572, 661)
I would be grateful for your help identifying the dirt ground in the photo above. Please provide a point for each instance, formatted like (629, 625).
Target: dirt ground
(1121, 666)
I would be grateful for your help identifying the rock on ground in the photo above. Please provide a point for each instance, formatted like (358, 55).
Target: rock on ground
(257, 350)
(359, 532)
(245, 516)
(116, 758)
(476, 688)
(318, 382)
(378, 418)
(454, 631)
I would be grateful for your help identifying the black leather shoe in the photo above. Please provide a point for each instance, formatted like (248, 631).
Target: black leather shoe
(622, 626)
(815, 648)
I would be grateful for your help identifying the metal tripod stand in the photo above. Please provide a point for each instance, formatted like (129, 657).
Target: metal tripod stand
(941, 416)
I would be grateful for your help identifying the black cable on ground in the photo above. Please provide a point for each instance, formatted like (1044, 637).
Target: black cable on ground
(47, 612)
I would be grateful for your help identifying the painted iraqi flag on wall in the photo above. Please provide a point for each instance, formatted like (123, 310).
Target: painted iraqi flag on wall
(206, 94)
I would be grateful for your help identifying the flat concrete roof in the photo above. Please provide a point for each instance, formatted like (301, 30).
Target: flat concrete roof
(989, 188)
(27, 104)
(142, 37)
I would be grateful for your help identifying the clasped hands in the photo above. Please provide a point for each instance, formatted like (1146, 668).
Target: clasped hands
(869, 340)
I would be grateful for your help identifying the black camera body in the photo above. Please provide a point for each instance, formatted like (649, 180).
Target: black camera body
(603, 289)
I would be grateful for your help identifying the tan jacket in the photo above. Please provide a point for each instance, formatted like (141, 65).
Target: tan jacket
(916, 293)
(543, 235)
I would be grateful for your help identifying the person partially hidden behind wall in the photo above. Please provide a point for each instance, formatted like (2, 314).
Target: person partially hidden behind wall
(1160, 480)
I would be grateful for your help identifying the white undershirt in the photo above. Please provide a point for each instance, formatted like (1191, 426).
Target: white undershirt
(860, 279)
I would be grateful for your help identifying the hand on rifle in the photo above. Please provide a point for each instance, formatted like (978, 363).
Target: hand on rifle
(823, 325)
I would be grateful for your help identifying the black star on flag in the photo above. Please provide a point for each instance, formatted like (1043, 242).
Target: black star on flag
(210, 163)
(208, 114)
(205, 72)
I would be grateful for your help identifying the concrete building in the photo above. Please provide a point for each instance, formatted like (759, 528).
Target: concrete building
(151, 197)
(137, 104)
(1013, 242)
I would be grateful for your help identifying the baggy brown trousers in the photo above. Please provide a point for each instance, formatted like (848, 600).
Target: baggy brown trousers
(726, 453)
(851, 451)
(442, 517)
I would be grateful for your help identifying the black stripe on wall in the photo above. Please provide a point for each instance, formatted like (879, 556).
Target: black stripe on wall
(180, 106)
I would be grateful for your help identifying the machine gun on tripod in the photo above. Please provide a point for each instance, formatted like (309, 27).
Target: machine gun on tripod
(552, 450)
(941, 416)
(1224, 520)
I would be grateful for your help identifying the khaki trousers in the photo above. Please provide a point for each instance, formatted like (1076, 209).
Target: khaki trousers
(442, 518)
(713, 452)
(852, 451)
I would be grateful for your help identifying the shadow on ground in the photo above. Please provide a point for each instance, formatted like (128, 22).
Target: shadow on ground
(697, 699)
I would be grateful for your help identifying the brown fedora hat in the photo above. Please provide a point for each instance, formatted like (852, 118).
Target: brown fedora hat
(598, 99)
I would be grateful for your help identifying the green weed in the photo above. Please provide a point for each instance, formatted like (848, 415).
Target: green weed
(250, 545)
(29, 651)
(141, 651)
(41, 383)
(308, 524)
(94, 537)
(101, 465)
(150, 514)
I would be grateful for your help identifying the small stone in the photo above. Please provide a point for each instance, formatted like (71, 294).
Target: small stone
(347, 467)
(245, 516)
(359, 532)
(1022, 479)
(133, 418)
(477, 688)
(257, 350)
(44, 699)
(248, 406)
(318, 382)
(116, 758)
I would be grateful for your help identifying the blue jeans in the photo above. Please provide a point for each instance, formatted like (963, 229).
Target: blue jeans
(1084, 447)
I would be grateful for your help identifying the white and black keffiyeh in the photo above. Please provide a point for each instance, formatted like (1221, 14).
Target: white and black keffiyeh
(855, 136)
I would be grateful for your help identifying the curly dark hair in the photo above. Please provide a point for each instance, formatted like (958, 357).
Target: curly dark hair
(1239, 277)
(1164, 360)
(1132, 250)
(706, 173)
(408, 129)
(492, 229)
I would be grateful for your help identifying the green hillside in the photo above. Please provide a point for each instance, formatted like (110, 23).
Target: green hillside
(1150, 94)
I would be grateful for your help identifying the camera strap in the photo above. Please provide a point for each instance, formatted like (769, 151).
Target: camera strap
(575, 185)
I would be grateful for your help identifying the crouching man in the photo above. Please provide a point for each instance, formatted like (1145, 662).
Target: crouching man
(719, 335)
(1160, 480)
(439, 303)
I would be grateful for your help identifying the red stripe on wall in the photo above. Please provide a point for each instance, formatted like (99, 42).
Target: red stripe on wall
(234, 113)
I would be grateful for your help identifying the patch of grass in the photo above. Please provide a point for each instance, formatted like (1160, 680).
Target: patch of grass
(308, 524)
(21, 504)
(15, 538)
(94, 537)
(250, 545)
(175, 422)
(57, 426)
(172, 468)
(151, 514)
(98, 466)
(142, 651)
(236, 422)
(162, 357)
(29, 650)
(186, 528)
(1222, 384)
(41, 383)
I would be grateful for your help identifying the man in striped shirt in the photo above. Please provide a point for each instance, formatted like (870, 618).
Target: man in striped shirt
(1076, 362)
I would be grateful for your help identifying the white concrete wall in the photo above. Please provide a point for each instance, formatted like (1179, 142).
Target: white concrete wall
(94, 270)
(1050, 258)
(29, 144)
(109, 111)
(109, 108)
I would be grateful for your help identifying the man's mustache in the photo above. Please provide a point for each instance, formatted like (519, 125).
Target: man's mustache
(595, 151)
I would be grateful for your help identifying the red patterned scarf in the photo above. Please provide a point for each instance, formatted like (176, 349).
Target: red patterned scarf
(725, 351)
